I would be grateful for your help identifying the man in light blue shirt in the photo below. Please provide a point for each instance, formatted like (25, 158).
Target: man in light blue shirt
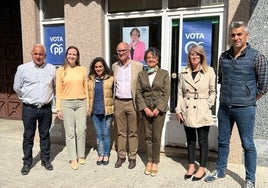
(34, 84)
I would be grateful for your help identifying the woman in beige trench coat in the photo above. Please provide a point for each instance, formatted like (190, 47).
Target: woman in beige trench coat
(196, 96)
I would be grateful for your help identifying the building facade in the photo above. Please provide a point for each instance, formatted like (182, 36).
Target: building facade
(97, 26)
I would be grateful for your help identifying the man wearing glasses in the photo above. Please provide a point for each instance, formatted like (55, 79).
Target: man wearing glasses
(125, 74)
(243, 75)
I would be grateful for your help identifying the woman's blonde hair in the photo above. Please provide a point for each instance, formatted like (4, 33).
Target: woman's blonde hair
(200, 51)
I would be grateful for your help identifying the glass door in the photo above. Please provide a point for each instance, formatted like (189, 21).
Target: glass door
(185, 32)
(201, 30)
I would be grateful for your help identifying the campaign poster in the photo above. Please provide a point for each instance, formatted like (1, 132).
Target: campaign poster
(137, 43)
(54, 41)
(197, 32)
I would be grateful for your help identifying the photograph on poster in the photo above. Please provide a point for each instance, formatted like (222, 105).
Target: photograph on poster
(138, 39)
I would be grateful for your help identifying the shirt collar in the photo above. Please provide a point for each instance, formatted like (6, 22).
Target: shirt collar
(125, 65)
(42, 66)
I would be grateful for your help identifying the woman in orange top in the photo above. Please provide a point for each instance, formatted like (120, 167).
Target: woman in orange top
(71, 104)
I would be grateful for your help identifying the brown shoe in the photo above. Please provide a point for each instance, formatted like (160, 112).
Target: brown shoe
(132, 163)
(148, 168)
(154, 170)
(119, 162)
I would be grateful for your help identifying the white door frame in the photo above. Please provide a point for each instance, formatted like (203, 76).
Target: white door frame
(174, 133)
(166, 38)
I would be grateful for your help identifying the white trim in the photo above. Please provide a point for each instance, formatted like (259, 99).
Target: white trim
(53, 21)
(41, 16)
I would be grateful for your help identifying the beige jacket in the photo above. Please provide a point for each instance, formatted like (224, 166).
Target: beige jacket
(136, 67)
(196, 97)
(108, 82)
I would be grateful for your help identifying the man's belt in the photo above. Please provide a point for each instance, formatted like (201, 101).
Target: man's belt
(123, 99)
(39, 106)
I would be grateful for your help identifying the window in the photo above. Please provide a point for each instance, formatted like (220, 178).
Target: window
(133, 5)
(116, 32)
(179, 4)
(53, 30)
(53, 9)
(192, 3)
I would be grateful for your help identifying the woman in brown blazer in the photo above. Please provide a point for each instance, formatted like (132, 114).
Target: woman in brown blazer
(196, 96)
(153, 88)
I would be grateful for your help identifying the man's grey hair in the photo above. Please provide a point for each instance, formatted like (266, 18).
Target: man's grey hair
(237, 24)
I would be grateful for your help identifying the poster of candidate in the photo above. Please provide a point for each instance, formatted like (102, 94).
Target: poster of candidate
(138, 39)
(196, 32)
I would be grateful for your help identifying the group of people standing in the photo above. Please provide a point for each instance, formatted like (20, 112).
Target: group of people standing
(127, 92)
(101, 93)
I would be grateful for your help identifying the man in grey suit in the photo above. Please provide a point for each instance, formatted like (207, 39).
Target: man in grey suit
(125, 74)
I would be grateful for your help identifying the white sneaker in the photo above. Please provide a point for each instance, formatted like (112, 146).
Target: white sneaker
(213, 176)
(249, 184)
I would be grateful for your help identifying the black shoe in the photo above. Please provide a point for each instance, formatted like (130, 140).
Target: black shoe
(132, 163)
(105, 162)
(25, 169)
(197, 179)
(188, 176)
(99, 162)
(47, 165)
(119, 162)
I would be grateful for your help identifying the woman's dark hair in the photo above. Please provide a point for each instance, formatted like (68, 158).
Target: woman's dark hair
(66, 60)
(92, 66)
(155, 52)
(135, 29)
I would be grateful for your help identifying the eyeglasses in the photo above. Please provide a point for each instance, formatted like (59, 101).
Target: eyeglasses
(122, 51)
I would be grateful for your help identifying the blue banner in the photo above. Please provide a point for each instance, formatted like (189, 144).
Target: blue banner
(54, 36)
(197, 32)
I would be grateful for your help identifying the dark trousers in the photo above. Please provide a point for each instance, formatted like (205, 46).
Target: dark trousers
(202, 133)
(30, 117)
(153, 130)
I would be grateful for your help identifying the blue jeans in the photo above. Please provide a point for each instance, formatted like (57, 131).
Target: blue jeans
(102, 125)
(245, 120)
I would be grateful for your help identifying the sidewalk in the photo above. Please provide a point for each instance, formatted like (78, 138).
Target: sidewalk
(171, 169)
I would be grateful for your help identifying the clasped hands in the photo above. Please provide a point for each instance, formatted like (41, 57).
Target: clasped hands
(151, 113)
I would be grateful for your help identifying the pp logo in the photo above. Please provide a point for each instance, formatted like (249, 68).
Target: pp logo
(56, 49)
(191, 43)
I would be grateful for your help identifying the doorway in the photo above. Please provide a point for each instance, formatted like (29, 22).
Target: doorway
(204, 31)
(10, 57)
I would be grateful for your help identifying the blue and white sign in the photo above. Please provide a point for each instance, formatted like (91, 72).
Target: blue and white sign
(197, 32)
(55, 44)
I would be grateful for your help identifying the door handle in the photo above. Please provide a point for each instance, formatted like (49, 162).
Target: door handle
(174, 75)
